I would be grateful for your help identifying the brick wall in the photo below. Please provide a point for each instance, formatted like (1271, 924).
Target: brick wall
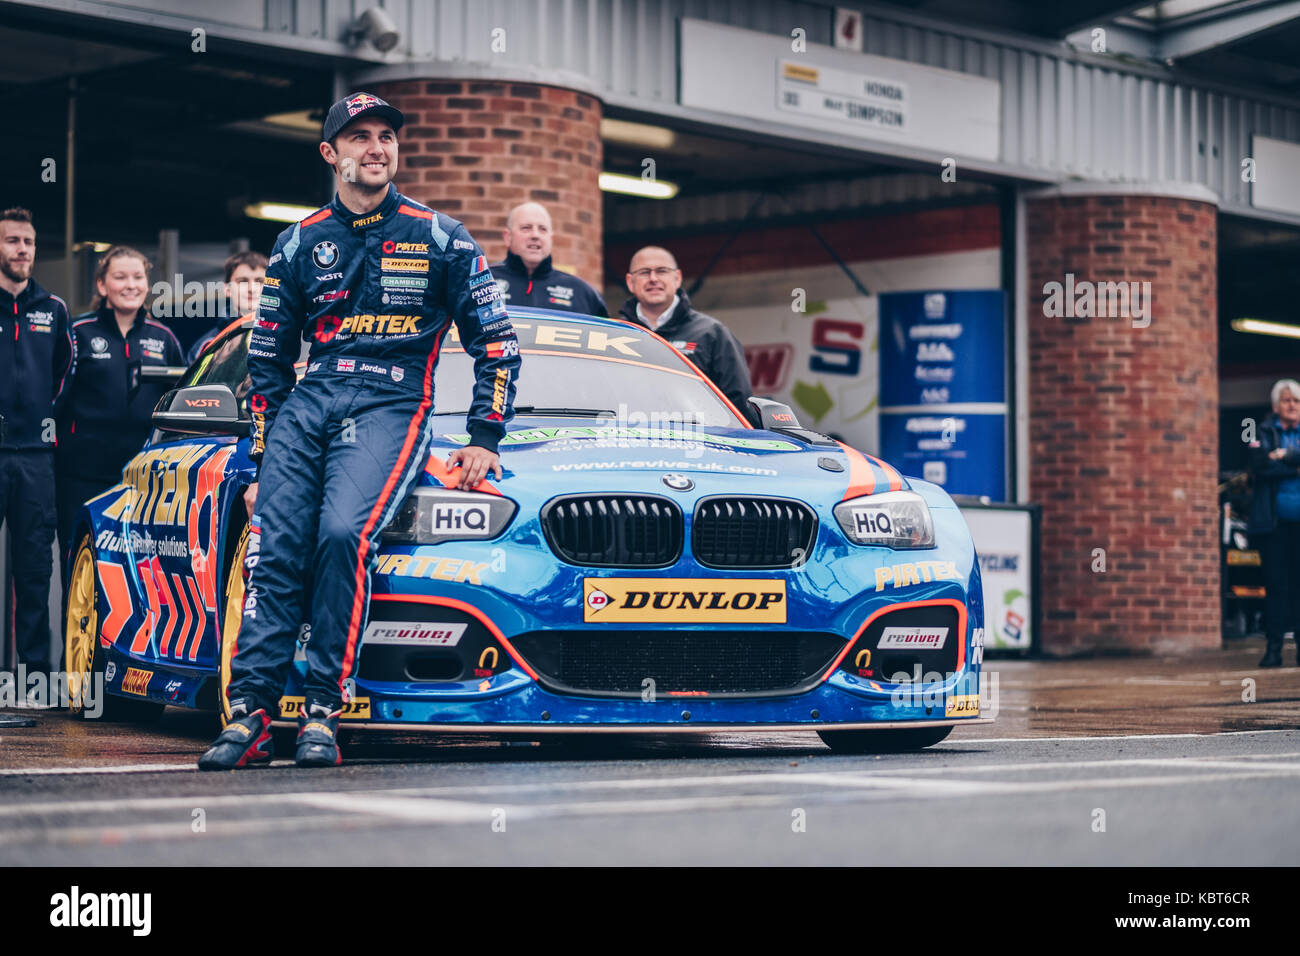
(474, 149)
(1123, 426)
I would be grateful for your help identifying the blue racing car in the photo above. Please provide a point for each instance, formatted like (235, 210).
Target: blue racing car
(649, 562)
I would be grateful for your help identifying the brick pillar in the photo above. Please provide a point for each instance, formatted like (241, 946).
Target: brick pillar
(475, 149)
(1123, 420)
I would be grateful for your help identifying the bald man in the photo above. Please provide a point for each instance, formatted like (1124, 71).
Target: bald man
(526, 277)
(659, 303)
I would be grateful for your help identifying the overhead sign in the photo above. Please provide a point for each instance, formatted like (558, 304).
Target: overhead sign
(1275, 184)
(772, 77)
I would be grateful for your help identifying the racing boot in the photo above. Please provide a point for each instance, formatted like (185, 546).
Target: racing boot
(318, 728)
(246, 741)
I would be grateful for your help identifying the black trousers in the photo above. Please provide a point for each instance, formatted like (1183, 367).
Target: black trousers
(27, 504)
(73, 490)
(1280, 555)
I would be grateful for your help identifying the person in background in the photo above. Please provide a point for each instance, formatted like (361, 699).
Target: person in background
(1275, 517)
(526, 276)
(35, 361)
(107, 416)
(245, 273)
(658, 303)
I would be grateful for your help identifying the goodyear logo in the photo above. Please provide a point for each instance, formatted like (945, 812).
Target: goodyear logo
(394, 264)
(381, 324)
(915, 572)
(136, 681)
(702, 600)
(367, 220)
(358, 708)
(962, 705)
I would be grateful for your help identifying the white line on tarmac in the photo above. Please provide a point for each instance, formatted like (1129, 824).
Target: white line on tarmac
(176, 767)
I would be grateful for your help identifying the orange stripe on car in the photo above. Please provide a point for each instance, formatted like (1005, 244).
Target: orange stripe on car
(117, 594)
(933, 602)
(468, 609)
(895, 479)
(862, 478)
(200, 620)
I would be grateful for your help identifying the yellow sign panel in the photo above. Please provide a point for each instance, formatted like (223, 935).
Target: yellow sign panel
(356, 709)
(963, 705)
(696, 600)
(806, 74)
(136, 681)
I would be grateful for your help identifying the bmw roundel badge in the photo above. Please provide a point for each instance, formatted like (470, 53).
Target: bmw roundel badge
(678, 482)
(325, 254)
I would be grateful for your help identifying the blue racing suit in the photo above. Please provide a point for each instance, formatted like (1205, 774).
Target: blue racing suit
(337, 453)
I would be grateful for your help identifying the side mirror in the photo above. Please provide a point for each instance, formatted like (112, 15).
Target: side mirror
(200, 410)
(773, 414)
(776, 417)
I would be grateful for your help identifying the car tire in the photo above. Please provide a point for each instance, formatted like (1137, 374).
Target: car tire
(882, 741)
(85, 659)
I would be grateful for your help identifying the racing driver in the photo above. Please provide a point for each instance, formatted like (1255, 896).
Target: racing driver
(373, 281)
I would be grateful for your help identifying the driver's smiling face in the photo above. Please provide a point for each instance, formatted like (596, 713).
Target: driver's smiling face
(366, 154)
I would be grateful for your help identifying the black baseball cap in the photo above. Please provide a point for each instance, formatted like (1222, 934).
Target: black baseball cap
(357, 106)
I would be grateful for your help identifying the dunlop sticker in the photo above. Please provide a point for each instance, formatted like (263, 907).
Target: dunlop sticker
(356, 709)
(963, 705)
(696, 600)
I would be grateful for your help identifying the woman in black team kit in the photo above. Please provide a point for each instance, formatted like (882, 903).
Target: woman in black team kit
(107, 416)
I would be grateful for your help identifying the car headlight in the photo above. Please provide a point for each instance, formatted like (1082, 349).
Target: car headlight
(431, 515)
(893, 519)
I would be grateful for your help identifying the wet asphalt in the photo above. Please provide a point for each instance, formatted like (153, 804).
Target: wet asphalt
(1114, 761)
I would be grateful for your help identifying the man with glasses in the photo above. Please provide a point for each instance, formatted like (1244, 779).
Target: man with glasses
(659, 304)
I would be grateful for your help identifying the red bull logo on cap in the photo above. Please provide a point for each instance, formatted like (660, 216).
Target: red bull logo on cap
(362, 101)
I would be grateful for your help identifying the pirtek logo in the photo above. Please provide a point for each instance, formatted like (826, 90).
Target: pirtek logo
(367, 220)
(382, 324)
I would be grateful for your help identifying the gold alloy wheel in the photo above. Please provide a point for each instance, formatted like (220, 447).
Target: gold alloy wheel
(234, 613)
(82, 629)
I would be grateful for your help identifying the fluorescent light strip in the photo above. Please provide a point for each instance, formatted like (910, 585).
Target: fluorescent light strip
(1262, 327)
(278, 211)
(636, 186)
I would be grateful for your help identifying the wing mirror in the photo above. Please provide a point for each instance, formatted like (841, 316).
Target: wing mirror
(200, 410)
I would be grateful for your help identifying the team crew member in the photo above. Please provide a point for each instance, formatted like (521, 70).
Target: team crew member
(1275, 517)
(245, 272)
(107, 416)
(658, 303)
(374, 281)
(526, 277)
(35, 361)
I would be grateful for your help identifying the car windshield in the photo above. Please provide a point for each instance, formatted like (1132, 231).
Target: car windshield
(588, 370)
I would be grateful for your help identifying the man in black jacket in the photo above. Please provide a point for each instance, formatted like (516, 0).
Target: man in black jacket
(1275, 517)
(526, 277)
(659, 304)
(35, 365)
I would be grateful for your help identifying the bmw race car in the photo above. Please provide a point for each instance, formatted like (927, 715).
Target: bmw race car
(649, 562)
